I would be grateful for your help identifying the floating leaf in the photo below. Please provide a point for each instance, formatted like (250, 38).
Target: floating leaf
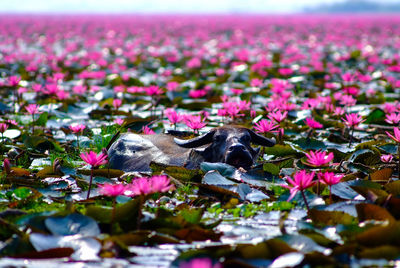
(280, 150)
(180, 173)
(72, 224)
(103, 172)
(85, 248)
(373, 212)
(271, 168)
(223, 168)
(382, 175)
(380, 235)
(323, 217)
(310, 144)
(377, 116)
(393, 188)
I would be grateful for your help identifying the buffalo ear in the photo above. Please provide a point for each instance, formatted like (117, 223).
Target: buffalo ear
(261, 140)
(196, 142)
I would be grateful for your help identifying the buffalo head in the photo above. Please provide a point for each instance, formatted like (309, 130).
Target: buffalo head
(231, 145)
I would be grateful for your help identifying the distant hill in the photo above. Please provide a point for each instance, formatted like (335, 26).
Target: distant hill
(355, 6)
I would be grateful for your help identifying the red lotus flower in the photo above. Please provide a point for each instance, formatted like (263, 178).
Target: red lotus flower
(3, 127)
(147, 131)
(278, 116)
(265, 126)
(173, 116)
(352, 120)
(117, 103)
(318, 158)
(111, 189)
(32, 109)
(77, 128)
(94, 159)
(144, 186)
(329, 178)
(302, 180)
(386, 158)
(313, 124)
(393, 118)
(194, 122)
(396, 136)
(119, 121)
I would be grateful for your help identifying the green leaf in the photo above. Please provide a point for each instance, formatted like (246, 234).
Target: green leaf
(280, 150)
(223, 168)
(377, 116)
(310, 144)
(323, 217)
(271, 168)
(42, 120)
(72, 224)
(373, 212)
(180, 173)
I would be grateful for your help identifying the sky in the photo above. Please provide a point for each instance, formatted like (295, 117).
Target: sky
(161, 6)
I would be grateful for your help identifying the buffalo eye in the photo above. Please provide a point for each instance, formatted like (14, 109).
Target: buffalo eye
(245, 138)
(219, 138)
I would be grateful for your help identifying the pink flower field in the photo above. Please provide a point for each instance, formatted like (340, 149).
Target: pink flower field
(325, 89)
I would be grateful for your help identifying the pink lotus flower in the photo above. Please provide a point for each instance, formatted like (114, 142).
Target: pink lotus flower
(119, 121)
(338, 111)
(153, 91)
(198, 93)
(302, 180)
(13, 80)
(94, 159)
(173, 116)
(32, 109)
(147, 131)
(352, 120)
(255, 82)
(396, 136)
(313, 124)
(144, 186)
(318, 158)
(160, 184)
(265, 126)
(329, 178)
(393, 118)
(200, 263)
(172, 86)
(278, 116)
(194, 122)
(77, 128)
(111, 189)
(7, 165)
(139, 186)
(117, 103)
(386, 158)
(3, 127)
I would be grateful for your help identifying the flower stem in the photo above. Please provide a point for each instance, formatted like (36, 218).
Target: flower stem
(113, 215)
(33, 124)
(305, 200)
(90, 183)
(330, 193)
(398, 162)
(351, 136)
(139, 217)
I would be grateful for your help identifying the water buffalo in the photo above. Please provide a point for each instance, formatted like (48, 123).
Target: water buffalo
(228, 144)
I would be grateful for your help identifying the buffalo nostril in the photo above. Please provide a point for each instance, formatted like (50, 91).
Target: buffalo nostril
(237, 147)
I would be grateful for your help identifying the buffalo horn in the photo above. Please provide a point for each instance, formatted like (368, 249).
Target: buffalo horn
(261, 140)
(196, 142)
